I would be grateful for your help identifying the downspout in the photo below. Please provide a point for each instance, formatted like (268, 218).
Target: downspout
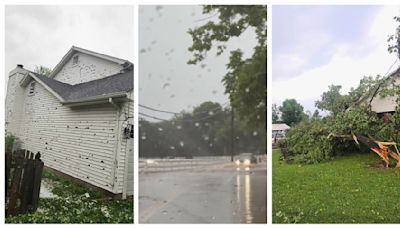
(116, 146)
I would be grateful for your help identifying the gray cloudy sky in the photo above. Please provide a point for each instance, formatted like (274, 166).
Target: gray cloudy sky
(41, 35)
(165, 80)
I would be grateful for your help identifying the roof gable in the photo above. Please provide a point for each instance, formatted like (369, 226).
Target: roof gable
(66, 58)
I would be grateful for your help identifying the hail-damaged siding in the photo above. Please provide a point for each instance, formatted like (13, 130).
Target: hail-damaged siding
(76, 141)
(88, 68)
(14, 99)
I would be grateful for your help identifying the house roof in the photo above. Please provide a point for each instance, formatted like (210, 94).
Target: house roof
(373, 93)
(118, 84)
(74, 50)
(280, 127)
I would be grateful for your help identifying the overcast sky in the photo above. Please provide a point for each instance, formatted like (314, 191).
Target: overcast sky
(316, 46)
(166, 82)
(42, 35)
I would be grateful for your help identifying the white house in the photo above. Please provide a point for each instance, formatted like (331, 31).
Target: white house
(386, 105)
(383, 106)
(80, 117)
(279, 130)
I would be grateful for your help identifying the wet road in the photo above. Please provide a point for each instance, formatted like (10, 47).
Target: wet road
(217, 195)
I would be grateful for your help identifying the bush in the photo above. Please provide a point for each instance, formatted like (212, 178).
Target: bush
(8, 142)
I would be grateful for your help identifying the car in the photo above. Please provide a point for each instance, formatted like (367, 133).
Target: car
(245, 159)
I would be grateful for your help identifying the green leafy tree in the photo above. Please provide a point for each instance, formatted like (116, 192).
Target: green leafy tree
(42, 70)
(275, 113)
(291, 112)
(246, 79)
(333, 101)
(394, 40)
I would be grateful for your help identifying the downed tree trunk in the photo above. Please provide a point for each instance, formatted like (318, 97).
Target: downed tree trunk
(379, 147)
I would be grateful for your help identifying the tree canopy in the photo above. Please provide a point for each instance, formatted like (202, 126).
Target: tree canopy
(245, 80)
(292, 112)
(42, 70)
(203, 132)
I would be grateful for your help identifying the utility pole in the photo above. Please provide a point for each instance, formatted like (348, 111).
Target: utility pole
(232, 134)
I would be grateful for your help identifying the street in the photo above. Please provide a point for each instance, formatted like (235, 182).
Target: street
(221, 194)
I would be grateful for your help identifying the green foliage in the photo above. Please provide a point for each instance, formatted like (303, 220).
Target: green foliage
(333, 101)
(275, 113)
(291, 112)
(308, 142)
(76, 204)
(8, 142)
(211, 135)
(245, 81)
(42, 70)
(394, 40)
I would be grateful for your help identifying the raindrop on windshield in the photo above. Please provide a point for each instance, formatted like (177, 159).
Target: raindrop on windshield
(143, 137)
(247, 89)
(181, 143)
(160, 129)
(197, 124)
(166, 86)
(255, 133)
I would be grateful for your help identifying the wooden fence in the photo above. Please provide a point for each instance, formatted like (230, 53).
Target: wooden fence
(23, 179)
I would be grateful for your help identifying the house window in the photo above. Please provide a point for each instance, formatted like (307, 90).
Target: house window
(32, 88)
(75, 60)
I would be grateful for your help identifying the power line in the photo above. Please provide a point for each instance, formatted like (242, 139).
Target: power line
(178, 113)
(157, 110)
(153, 117)
(181, 120)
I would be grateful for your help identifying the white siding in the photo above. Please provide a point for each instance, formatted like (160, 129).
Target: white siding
(386, 104)
(77, 141)
(14, 99)
(125, 155)
(87, 69)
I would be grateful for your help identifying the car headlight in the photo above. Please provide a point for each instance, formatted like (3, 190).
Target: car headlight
(237, 162)
(150, 161)
(247, 162)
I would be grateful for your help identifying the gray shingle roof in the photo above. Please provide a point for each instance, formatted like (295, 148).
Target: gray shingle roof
(121, 82)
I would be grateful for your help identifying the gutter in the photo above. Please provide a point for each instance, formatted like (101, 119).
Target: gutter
(96, 99)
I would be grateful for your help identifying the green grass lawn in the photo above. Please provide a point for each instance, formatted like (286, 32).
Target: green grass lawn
(76, 204)
(344, 190)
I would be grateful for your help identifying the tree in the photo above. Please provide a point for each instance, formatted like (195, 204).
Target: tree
(42, 70)
(275, 113)
(291, 112)
(246, 79)
(394, 40)
(333, 101)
